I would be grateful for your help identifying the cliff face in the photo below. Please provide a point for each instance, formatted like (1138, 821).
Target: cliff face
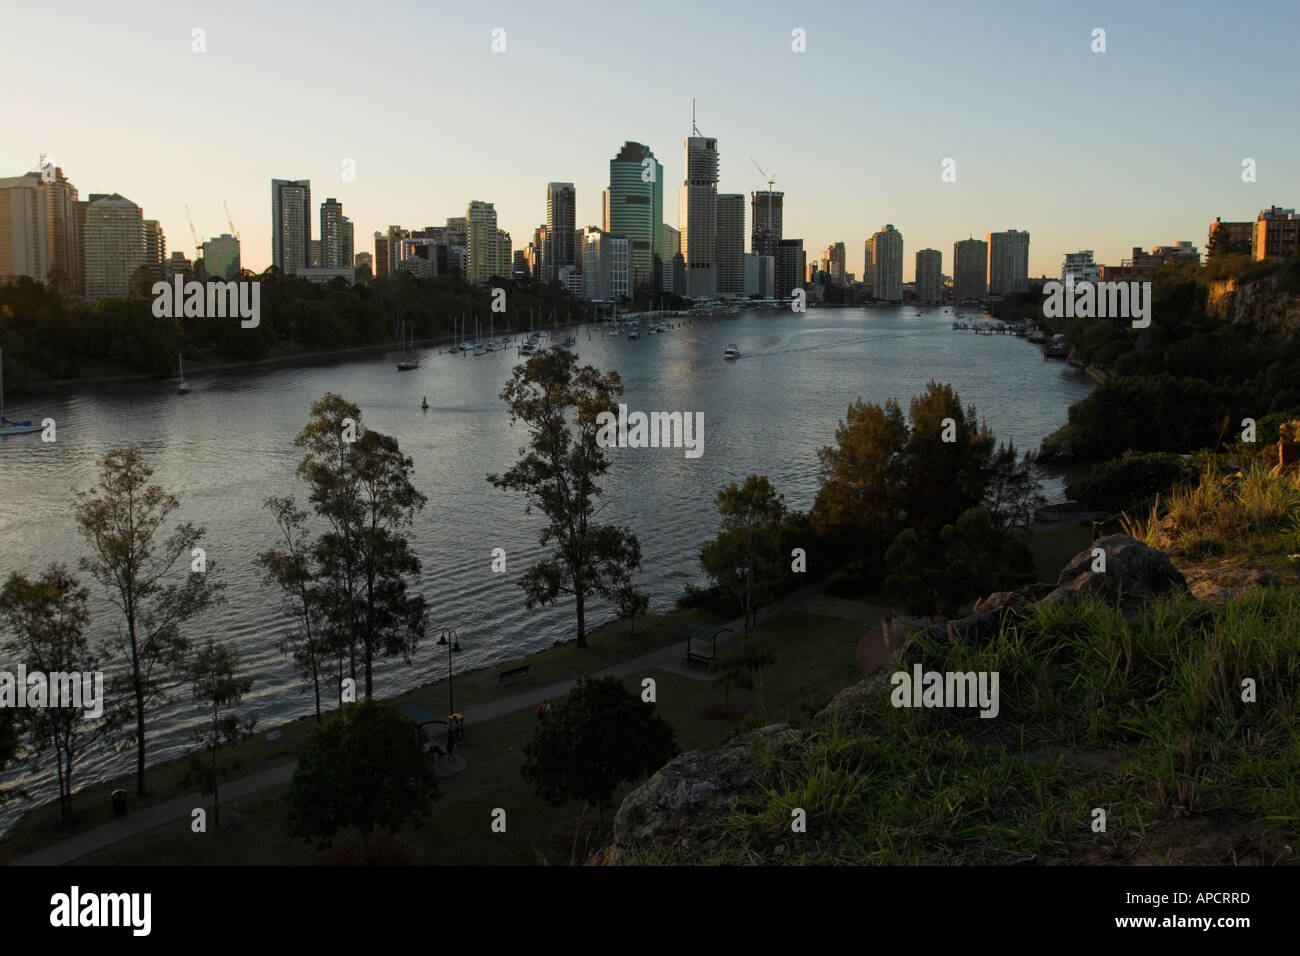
(1270, 302)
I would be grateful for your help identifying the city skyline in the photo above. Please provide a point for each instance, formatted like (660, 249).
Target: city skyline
(1142, 175)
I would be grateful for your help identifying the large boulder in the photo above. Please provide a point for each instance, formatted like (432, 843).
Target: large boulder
(686, 797)
(1134, 572)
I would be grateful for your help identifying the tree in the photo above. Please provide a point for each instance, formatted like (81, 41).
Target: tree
(599, 736)
(948, 456)
(11, 738)
(361, 485)
(122, 519)
(559, 472)
(631, 604)
(290, 568)
(48, 618)
(1012, 495)
(741, 665)
(862, 474)
(364, 768)
(743, 557)
(212, 673)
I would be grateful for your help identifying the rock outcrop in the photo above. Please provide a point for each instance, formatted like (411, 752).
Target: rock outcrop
(1134, 571)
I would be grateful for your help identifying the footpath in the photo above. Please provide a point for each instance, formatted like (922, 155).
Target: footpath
(874, 648)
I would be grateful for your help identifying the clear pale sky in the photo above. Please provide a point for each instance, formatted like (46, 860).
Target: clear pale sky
(1140, 145)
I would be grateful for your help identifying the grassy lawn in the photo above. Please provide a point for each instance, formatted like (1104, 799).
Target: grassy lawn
(814, 659)
(93, 806)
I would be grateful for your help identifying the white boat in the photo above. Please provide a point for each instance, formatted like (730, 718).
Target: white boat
(731, 352)
(184, 387)
(408, 361)
(529, 348)
(633, 334)
(6, 426)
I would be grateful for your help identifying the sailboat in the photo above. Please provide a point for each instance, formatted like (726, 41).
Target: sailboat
(408, 361)
(184, 387)
(6, 426)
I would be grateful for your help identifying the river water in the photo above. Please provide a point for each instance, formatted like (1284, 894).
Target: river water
(227, 445)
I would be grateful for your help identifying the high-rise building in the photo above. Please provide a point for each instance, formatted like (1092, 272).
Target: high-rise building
(487, 247)
(561, 249)
(608, 266)
(887, 253)
(869, 265)
(537, 254)
(1008, 266)
(221, 257)
(40, 229)
(364, 263)
(697, 217)
(929, 275)
(114, 245)
(970, 260)
(1276, 234)
(760, 276)
(674, 264)
(290, 224)
(731, 243)
(335, 236)
(832, 262)
(381, 255)
(313, 254)
(155, 250)
(766, 216)
(519, 269)
(1079, 267)
(633, 206)
(791, 264)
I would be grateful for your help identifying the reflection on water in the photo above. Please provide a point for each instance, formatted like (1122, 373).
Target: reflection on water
(227, 446)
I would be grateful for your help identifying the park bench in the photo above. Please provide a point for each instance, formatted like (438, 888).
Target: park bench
(697, 660)
(512, 675)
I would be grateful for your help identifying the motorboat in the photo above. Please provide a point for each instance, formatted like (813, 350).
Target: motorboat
(731, 352)
(6, 426)
(184, 387)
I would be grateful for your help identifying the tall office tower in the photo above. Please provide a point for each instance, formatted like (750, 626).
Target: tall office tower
(633, 206)
(290, 224)
(155, 250)
(483, 245)
(394, 239)
(1079, 267)
(791, 267)
(458, 231)
(537, 254)
(335, 236)
(1008, 262)
(929, 275)
(349, 245)
(970, 258)
(520, 268)
(731, 244)
(313, 254)
(608, 266)
(24, 229)
(697, 217)
(114, 245)
(41, 229)
(364, 260)
(221, 257)
(674, 276)
(382, 266)
(887, 251)
(832, 262)
(869, 265)
(765, 222)
(561, 224)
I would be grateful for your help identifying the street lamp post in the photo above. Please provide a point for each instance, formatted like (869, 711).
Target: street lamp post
(453, 646)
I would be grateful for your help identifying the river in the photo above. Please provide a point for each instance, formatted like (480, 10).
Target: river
(227, 445)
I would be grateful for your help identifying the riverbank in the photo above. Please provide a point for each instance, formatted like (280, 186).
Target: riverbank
(197, 365)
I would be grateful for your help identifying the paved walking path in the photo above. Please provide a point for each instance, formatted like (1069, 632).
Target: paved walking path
(808, 599)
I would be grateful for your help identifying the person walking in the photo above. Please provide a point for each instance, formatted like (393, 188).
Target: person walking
(543, 709)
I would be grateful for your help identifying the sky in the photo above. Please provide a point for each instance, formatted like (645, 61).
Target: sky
(1140, 145)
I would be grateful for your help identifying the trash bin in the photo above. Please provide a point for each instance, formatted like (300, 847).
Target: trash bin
(119, 802)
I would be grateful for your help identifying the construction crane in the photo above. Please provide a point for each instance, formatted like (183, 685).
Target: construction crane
(198, 246)
(770, 180)
(230, 222)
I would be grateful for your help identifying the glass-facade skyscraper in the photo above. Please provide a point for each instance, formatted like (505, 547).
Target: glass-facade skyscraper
(634, 206)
